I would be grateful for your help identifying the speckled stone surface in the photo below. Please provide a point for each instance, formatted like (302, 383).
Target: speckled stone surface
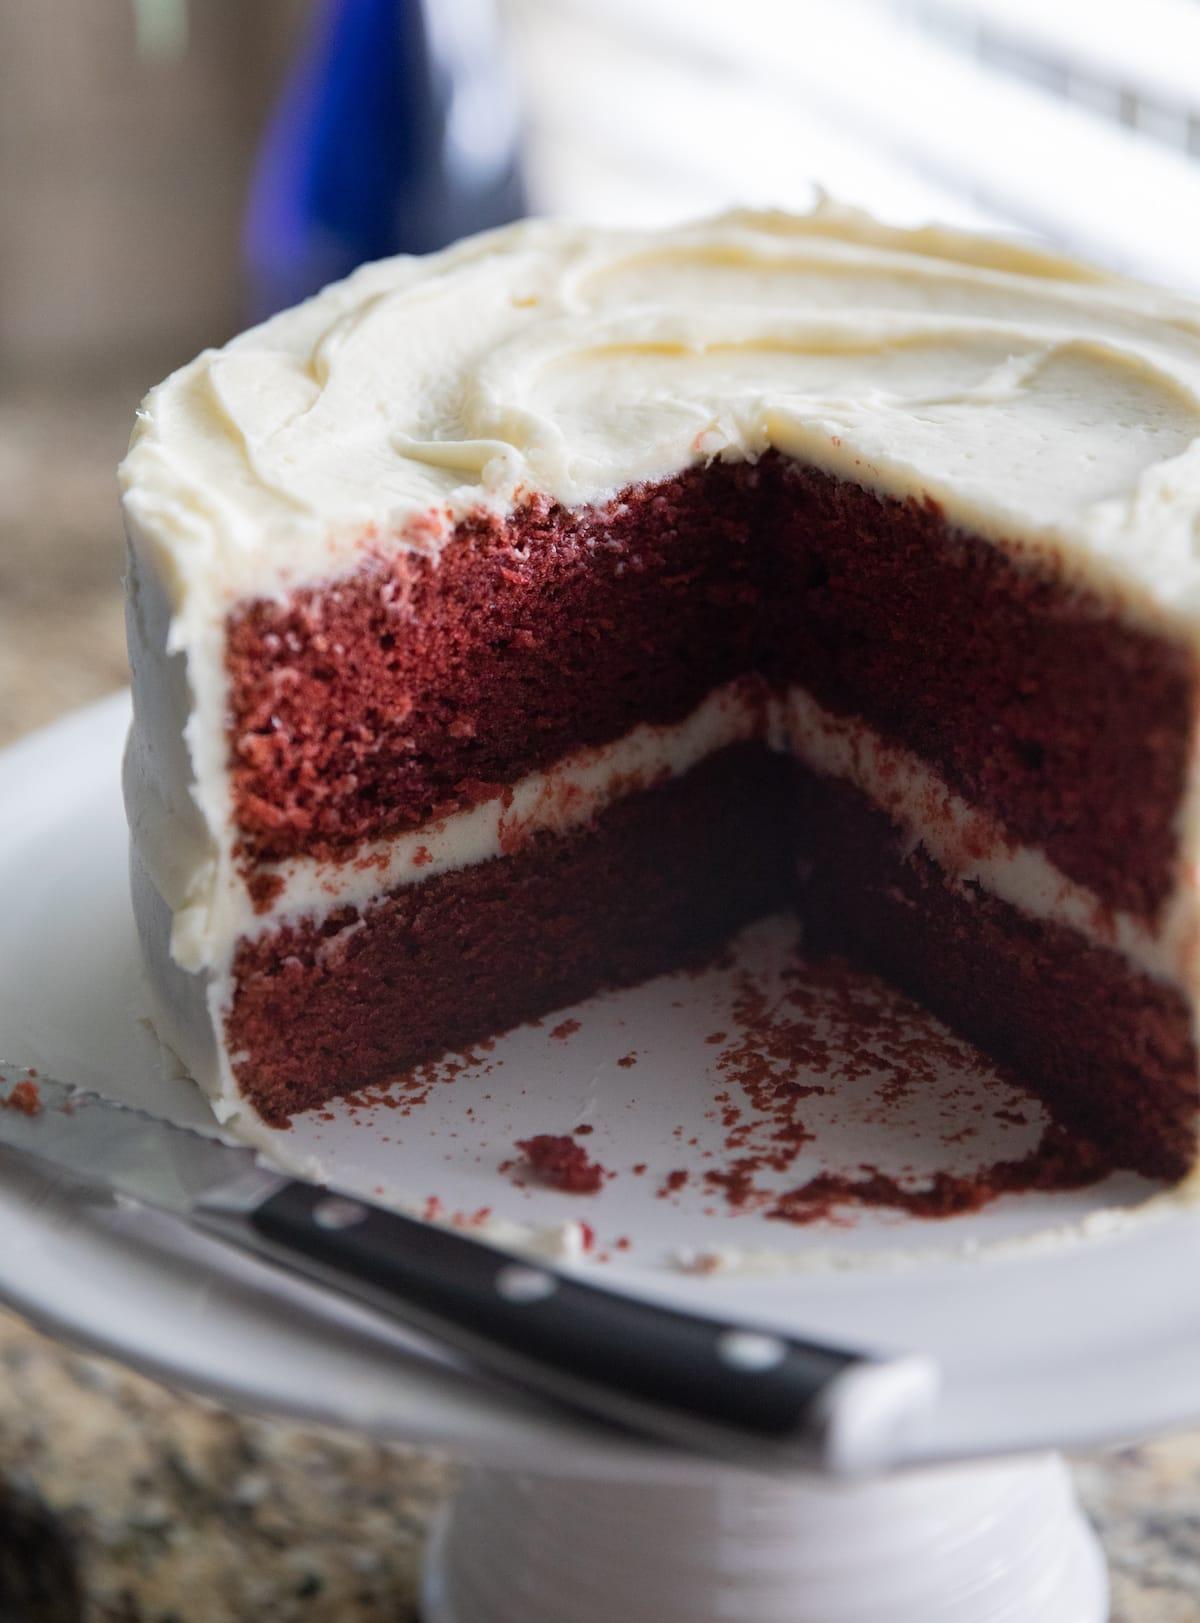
(174, 1511)
(163, 1508)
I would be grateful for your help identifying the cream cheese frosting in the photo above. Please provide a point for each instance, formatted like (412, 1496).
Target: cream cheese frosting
(1025, 393)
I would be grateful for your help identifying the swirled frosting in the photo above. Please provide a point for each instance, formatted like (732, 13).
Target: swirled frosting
(1032, 397)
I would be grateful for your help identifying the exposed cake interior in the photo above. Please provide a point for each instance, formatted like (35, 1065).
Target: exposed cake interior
(526, 620)
(713, 686)
(413, 689)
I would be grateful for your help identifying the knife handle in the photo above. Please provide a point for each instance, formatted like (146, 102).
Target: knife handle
(727, 1389)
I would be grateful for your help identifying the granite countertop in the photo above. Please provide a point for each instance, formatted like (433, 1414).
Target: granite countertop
(127, 1503)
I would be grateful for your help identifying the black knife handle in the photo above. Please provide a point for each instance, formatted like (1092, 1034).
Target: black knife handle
(725, 1388)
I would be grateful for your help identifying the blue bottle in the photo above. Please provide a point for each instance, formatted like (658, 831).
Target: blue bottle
(397, 132)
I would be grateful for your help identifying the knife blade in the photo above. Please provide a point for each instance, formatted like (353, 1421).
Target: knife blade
(738, 1392)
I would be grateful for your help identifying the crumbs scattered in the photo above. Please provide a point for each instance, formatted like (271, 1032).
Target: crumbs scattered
(434, 1210)
(829, 1025)
(557, 1161)
(25, 1098)
(791, 1037)
(1058, 1161)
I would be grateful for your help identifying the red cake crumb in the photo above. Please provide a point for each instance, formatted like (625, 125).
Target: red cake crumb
(737, 1181)
(557, 1161)
(1059, 1161)
(627, 1060)
(25, 1099)
(263, 888)
(565, 1029)
(673, 1182)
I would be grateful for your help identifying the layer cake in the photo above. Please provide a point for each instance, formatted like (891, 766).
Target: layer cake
(526, 618)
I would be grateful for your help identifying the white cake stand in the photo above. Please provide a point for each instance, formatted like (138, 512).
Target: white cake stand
(1057, 1321)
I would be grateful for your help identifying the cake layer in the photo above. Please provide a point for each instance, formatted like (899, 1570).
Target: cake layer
(276, 956)
(323, 1008)
(1037, 702)
(571, 792)
(414, 689)
(1111, 1049)
(970, 847)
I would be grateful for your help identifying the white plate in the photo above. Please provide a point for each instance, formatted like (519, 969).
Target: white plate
(1060, 1319)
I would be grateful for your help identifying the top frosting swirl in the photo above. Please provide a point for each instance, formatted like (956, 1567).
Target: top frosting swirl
(1032, 397)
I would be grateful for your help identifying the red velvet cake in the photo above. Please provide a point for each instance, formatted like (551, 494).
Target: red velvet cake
(526, 619)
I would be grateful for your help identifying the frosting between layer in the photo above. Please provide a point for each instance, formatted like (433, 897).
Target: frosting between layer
(967, 845)
(1031, 397)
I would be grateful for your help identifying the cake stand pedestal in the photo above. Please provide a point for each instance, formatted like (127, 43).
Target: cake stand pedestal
(995, 1543)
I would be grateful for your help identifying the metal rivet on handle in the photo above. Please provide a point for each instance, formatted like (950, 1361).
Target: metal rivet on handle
(336, 1212)
(519, 1284)
(749, 1351)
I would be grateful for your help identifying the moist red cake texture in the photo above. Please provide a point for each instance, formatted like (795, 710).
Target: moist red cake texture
(661, 877)
(414, 688)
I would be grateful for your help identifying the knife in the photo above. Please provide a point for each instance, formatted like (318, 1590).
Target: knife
(737, 1392)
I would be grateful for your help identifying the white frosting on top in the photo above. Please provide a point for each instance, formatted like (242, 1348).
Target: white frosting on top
(1032, 397)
